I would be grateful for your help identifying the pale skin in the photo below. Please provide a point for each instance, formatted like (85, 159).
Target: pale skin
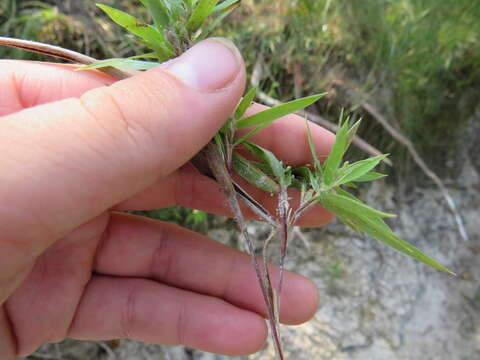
(77, 146)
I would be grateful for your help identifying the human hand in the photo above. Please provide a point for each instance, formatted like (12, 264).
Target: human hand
(72, 150)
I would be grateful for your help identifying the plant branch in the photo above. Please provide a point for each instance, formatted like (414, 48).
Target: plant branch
(217, 165)
(403, 140)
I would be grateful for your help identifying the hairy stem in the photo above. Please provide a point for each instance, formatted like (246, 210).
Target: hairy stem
(217, 165)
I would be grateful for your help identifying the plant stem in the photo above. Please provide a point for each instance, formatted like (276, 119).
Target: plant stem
(222, 175)
(60, 53)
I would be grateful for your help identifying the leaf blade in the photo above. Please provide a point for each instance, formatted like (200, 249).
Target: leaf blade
(225, 5)
(269, 158)
(119, 63)
(266, 117)
(154, 38)
(346, 202)
(203, 9)
(253, 175)
(245, 103)
(378, 229)
(336, 154)
(357, 169)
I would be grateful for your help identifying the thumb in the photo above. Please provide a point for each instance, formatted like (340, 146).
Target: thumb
(64, 163)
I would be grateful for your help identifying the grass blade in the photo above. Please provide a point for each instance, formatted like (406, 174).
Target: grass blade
(245, 103)
(355, 170)
(159, 12)
(378, 229)
(200, 14)
(154, 38)
(266, 117)
(224, 5)
(370, 176)
(253, 174)
(125, 64)
(268, 158)
(316, 161)
(336, 154)
(345, 202)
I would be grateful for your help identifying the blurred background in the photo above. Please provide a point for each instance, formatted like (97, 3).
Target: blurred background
(411, 70)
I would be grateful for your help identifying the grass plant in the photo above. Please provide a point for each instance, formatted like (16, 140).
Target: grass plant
(177, 25)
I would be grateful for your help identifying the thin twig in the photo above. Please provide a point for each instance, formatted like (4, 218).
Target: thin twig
(60, 53)
(273, 298)
(403, 140)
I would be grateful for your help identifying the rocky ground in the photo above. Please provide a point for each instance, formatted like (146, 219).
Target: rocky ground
(376, 303)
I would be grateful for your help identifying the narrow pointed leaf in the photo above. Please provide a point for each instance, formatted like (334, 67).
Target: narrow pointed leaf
(266, 117)
(344, 202)
(226, 4)
(149, 34)
(213, 25)
(342, 192)
(253, 175)
(159, 11)
(316, 162)
(378, 229)
(200, 14)
(349, 222)
(126, 64)
(352, 132)
(355, 170)
(334, 159)
(245, 103)
(269, 158)
(143, 56)
(370, 176)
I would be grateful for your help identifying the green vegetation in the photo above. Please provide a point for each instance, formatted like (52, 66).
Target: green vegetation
(415, 60)
(335, 45)
(418, 60)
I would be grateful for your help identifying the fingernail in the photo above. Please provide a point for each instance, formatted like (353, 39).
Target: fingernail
(210, 65)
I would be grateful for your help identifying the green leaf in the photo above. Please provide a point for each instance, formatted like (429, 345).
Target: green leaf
(350, 223)
(159, 11)
(213, 25)
(245, 103)
(352, 132)
(340, 191)
(253, 175)
(316, 162)
(226, 4)
(266, 117)
(370, 176)
(355, 170)
(330, 199)
(143, 56)
(336, 154)
(200, 14)
(126, 64)
(378, 229)
(269, 158)
(153, 38)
